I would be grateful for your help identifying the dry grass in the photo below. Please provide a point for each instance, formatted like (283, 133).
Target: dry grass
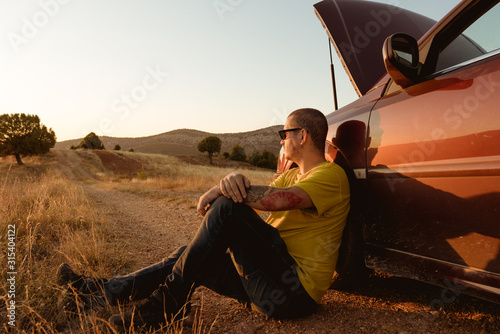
(168, 172)
(55, 222)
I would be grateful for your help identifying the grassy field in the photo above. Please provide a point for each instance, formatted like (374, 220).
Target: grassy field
(55, 221)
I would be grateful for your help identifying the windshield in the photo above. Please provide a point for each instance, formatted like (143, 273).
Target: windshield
(475, 41)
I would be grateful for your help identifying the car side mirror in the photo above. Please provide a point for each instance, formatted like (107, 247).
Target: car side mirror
(401, 59)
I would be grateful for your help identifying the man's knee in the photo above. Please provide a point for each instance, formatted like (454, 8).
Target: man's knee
(175, 254)
(224, 205)
(222, 200)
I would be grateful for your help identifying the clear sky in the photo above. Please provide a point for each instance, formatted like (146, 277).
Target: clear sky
(131, 68)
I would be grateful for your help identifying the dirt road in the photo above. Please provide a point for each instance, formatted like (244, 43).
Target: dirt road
(151, 228)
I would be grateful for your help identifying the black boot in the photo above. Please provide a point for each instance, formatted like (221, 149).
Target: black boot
(159, 309)
(81, 294)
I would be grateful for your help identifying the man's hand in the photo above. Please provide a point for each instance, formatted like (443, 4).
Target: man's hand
(206, 199)
(234, 186)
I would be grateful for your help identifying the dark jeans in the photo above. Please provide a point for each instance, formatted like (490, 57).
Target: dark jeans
(234, 253)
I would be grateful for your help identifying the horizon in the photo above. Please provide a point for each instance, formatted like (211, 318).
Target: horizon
(183, 129)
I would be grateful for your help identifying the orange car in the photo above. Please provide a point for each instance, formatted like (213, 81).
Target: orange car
(422, 143)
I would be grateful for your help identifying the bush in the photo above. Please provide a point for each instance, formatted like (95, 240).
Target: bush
(254, 158)
(238, 153)
(265, 160)
(117, 147)
(141, 175)
(91, 142)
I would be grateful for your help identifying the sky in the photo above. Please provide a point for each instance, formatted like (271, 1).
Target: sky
(130, 68)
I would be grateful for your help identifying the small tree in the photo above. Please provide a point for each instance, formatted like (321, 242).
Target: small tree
(211, 145)
(117, 147)
(265, 160)
(92, 142)
(268, 160)
(238, 153)
(254, 158)
(22, 135)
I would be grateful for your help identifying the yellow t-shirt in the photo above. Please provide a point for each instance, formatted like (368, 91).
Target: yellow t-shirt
(313, 236)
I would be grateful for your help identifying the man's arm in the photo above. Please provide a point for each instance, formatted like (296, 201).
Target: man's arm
(232, 186)
(207, 198)
(237, 187)
(277, 199)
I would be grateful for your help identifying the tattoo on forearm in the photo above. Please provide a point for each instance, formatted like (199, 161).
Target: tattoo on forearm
(273, 199)
(281, 200)
(257, 193)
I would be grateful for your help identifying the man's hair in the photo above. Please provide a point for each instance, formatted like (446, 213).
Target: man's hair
(314, 122)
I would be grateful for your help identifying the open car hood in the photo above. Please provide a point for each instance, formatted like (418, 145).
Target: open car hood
(358, 30)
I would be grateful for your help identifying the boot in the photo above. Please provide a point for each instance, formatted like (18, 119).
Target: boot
(81, 294)
(159, 309)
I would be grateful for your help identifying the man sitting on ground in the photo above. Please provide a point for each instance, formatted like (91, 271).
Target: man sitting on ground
(281, 267)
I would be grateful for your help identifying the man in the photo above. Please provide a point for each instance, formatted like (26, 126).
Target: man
(281, 267)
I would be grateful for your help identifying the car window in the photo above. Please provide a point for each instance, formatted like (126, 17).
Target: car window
(478, 39)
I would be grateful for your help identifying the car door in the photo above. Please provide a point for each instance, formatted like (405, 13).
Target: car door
(434, 157)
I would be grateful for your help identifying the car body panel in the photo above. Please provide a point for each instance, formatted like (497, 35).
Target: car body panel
(434, 174)
(427, 156)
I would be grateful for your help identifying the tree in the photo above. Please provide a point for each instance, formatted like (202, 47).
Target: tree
(211, 145)
(92, 142)
(268, 160)
(24, 135)
(254, 158)
(117, 147)
(265, 160)
(238, 153)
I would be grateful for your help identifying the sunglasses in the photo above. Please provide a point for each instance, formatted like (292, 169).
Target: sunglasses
(283, 132)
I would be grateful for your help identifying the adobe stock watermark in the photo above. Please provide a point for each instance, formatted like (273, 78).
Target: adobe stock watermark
(454, 118)
(279, 116)
(11, 275)
(31, 26)
(122, 106)
(223, 7)
(363, 36)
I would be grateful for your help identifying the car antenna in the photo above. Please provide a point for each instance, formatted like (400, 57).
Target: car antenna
(333, 76)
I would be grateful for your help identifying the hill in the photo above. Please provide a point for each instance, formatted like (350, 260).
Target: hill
(185, 141)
